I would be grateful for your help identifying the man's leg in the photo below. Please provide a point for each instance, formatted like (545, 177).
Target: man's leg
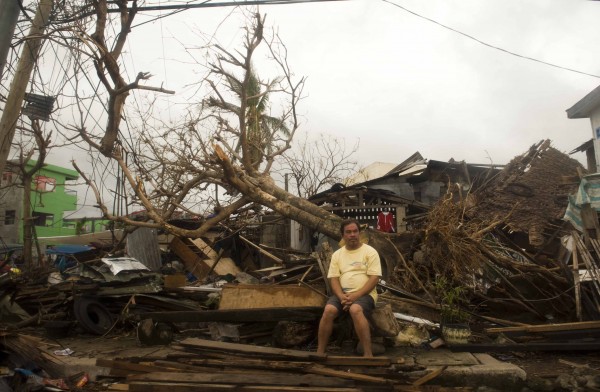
(362, 328)
(326, 327)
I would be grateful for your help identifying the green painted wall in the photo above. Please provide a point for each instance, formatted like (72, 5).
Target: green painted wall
(54, 200)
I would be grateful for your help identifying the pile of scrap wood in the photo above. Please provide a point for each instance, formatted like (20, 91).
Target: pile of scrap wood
(98, 299)
(503, 244)
(199, 365)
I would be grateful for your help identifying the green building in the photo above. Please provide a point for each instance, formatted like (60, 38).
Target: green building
(50, 200)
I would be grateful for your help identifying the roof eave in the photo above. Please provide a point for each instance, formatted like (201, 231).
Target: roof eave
(585, 106)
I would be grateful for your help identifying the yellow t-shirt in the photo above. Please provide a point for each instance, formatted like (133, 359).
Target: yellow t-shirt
(353, 268)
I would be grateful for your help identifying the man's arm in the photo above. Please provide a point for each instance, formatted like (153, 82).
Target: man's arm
(366, 289)
(336, 287)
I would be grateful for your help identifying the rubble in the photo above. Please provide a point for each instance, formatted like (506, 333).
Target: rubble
(229, 306)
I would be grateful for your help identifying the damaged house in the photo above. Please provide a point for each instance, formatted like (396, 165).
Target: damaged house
(405, 193)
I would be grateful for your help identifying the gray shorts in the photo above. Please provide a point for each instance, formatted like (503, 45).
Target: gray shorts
(366, 302)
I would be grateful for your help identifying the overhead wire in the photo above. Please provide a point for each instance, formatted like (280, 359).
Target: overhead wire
(487, 44)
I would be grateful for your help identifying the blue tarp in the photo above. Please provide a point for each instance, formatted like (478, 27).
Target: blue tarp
(68, 249)
(65, 255)
(587, 193)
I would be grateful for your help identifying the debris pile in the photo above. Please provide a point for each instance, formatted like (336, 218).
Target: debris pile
(503, 242)
(499, 259)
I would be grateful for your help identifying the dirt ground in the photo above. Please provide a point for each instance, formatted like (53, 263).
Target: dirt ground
(551, 364)
(557, 370)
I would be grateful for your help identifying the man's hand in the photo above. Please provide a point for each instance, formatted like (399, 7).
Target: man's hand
(347, 300)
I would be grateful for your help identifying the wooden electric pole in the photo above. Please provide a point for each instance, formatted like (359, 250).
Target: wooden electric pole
(9, 14)
(14, 101)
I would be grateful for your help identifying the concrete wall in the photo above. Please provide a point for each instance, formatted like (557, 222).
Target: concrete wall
(395, 185)
(595, 120)
(12, 199)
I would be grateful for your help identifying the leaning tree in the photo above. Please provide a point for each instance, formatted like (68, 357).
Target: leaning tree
(232, 140)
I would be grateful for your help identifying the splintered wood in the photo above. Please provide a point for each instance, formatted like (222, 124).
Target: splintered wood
(203, 365)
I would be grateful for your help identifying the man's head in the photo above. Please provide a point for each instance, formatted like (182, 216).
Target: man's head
(350, 230)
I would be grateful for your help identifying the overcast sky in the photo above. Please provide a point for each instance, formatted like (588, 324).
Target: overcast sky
(400, 83)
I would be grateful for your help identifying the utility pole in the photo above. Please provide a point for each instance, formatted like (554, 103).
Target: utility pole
(9, 14)
(14, 101)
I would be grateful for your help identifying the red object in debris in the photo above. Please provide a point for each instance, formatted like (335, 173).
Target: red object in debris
(82, 381)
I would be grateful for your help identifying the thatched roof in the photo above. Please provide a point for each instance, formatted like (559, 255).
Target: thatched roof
(529, 194)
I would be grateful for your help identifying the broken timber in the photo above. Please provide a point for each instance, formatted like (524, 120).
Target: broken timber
(308, 313)
(263, 296)
(198, 258)
(214, 366)
(548, 327)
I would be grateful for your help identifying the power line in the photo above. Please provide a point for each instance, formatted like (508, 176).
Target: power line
(486, 44)
(205, 4)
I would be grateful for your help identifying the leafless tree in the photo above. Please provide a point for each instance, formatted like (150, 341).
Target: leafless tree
(317, 164)
(231, 142)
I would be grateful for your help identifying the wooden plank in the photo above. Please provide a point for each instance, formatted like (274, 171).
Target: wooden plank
(285, 271)
(247, 363)
(186, 387)
(215, 262)
(261, 250)
(120, 373)
(156, 386)
(125, 365)
(197, 265)
(322, 370)
(592, 270)
(429, 377)
(307, 313)
(238, 362)
(304, 275)
(596, 246)
(191, 261)
(205, 248)
(118, 387)
(547, 327)
(298, 389)
(268, 296)
(244, 379)
(577, 285)
(181, 366)
(224, 266)
(249, 349)
(337, 360)
(323, 258)
(588, 261)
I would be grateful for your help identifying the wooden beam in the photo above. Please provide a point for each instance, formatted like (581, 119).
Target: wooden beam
(261, 250)
(548, 327)
(245, 378)
(156, 386)
(322, 370)
(577, 284)
(307, 313)
(126, 365)
(429, 377)
(268, 296)
(250, 349)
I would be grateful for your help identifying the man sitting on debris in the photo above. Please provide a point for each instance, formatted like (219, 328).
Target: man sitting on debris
(353, 272)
